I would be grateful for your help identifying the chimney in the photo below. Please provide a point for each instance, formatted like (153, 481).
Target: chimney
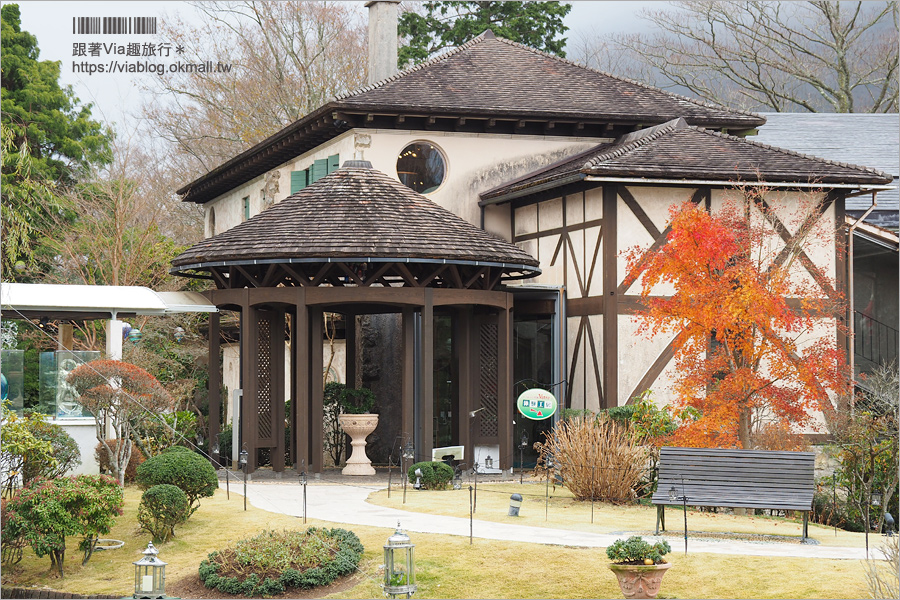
(382, 39)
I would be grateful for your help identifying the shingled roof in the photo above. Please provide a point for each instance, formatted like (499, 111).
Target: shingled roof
(488, 84)
(678, 151)
(355, 214)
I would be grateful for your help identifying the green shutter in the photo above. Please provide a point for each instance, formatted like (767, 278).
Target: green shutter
(298, 180)
(319, 169)
(246, 208)
(334, 162)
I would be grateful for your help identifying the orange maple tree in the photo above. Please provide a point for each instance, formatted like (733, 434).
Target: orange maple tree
(745, 350)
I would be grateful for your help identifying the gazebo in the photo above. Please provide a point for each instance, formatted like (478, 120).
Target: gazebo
(359, 242)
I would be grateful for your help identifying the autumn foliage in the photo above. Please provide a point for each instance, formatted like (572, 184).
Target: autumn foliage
(744, 309)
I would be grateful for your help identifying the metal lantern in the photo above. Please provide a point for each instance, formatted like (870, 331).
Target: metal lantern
(673, 495)
(179, 334)
(457, 480)
(399, 565)
(488, 463)
(876, 498)
(150, 575)
(409, 451)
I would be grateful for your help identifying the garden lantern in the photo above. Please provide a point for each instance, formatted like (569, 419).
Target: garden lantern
(876, 498)
(489, 463)
(399, 565)
(457, 480)
(515, 502)
(150, 575)
(408, 451)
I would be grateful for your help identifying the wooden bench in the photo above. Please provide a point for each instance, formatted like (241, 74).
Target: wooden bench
(736, 479)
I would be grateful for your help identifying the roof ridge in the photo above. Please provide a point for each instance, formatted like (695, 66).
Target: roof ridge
(793, 152)
(629, 144)
(702, 103)
(431, 61)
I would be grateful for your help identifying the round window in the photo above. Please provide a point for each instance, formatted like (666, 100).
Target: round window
(421, 167)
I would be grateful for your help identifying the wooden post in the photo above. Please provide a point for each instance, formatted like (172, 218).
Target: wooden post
(504, 385)
(300, 382)
(66, 338)
(317, 390)
(408, 385)
(426, 390)
(464, 422)
(249, 363)
(350, 329)
(277, 388)
(610, 396)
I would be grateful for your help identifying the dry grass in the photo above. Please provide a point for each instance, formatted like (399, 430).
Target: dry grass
(564, 512)
(448, 567)
(595, 457)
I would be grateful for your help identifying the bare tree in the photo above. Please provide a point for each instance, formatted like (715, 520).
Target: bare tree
(781, 56)
(285, 59)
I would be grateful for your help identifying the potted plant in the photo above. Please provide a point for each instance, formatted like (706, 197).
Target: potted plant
(358, 421)
(639, 565)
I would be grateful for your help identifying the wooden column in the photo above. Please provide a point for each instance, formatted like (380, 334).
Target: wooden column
(610, 396)
(466, 385)
(215, 386)
(408, 385)
(350, 331)
(426, 389)
(277, 389)
(66, 337)
(249, 366)
(300, 380)
(317, 390)
(504, 384)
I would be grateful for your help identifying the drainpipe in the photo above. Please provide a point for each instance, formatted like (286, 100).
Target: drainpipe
(852, 320)
(382, 39)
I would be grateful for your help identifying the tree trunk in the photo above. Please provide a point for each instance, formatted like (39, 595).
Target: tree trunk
(744, 428)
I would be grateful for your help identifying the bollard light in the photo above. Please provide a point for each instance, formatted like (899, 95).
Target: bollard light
(515, 502)
(399, 565)
(242, 460)
(418, 484)
(150, 575)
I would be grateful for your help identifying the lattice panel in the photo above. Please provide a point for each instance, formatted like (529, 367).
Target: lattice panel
(489, 377)
(264, 378)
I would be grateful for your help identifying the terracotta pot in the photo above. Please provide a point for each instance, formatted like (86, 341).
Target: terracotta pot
(358, 427)
(639, 581)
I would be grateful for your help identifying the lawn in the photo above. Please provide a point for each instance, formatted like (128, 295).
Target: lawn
(447, 566)
(564, 512)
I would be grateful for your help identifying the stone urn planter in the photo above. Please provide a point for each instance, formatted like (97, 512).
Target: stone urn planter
(639, 581)
(358, 427)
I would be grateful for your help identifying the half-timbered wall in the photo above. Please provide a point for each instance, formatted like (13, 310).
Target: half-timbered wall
(580, 240)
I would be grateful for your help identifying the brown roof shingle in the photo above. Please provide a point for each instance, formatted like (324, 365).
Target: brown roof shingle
(355, 212)
(676, 150)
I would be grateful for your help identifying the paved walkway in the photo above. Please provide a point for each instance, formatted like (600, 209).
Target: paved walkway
(346, 504)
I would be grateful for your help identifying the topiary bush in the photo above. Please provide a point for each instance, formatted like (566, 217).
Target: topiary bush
(162, 508)
(182, 468)
(435, 475)
(272, 562)
(102, 457)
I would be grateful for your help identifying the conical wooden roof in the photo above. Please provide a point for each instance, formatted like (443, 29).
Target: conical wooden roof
(355, 213)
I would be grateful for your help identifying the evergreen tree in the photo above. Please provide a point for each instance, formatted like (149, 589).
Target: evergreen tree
(443, 25)
(48, 137)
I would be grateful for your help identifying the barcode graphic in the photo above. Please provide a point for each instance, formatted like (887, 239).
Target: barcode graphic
(113, 25)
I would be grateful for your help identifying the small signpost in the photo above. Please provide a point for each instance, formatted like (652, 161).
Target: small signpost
(537, 404)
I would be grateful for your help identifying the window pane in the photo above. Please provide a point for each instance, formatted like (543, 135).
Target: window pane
(421, 167)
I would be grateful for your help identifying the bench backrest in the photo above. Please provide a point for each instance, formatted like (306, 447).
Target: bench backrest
(737, 478)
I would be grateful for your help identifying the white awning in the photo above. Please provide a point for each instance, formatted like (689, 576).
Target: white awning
(76, 302)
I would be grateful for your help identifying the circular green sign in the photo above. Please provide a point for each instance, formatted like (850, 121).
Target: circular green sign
(536, 404)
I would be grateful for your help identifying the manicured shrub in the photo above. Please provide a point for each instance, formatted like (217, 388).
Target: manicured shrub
(272, 562)
(435, 475)
(182, 468)
(102, 457)
(162, 508)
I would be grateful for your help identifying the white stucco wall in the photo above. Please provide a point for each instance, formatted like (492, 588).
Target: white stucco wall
(84, 432)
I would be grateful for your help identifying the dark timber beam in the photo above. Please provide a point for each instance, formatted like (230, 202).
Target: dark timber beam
(504, 385)
(300, 378)
(317, 390)
(407, 385)
(215, 384)
(610, 308)
(426, 376)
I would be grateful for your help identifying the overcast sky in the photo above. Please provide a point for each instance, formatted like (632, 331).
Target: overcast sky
(116, 95)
